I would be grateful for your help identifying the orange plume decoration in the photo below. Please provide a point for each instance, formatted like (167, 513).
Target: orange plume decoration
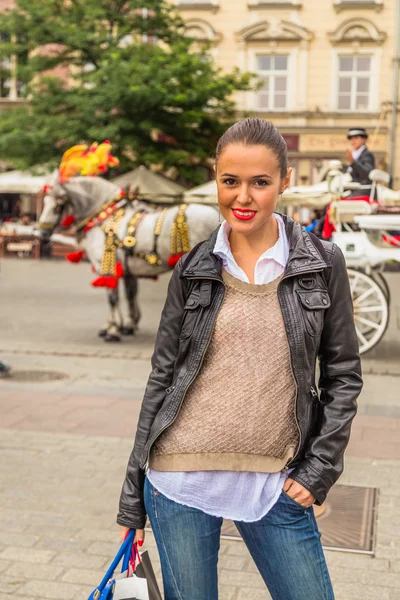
(81, 160)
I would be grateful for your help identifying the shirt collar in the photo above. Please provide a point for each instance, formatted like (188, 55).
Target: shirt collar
(279, 251)
(357, 153)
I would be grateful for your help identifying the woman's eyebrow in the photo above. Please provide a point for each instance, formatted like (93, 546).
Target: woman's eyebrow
(253, 176)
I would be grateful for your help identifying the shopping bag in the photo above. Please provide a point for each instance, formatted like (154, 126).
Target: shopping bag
(136, 581)
(140, 582)
(145, 570)
(130, 588)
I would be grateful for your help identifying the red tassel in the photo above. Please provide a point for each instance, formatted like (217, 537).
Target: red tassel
(173, 259)
(119, 270)
(111, 282)
(108, 281)
(99, 282)
(74, 257)
(67, 221)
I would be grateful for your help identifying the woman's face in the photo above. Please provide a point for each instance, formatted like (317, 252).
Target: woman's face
(249, 183)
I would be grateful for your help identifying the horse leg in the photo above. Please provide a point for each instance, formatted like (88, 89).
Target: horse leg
(131, 292)
(112, 334)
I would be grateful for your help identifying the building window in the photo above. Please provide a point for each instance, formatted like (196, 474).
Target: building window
(274, 3)
(354, 83)
(272, 69)
(343, 4)
(198, 4)
(11, 86)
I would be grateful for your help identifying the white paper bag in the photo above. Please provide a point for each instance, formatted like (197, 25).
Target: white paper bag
(130, 588)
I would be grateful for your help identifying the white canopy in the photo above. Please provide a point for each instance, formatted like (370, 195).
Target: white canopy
(151, 186)
(21, 182)
(203, 194)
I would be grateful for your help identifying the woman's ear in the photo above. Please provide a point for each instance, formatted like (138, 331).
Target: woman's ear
(215, 168)
(286, 181)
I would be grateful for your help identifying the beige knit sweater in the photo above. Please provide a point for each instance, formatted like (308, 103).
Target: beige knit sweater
(239, 413)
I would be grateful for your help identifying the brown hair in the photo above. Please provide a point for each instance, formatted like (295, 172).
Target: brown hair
(255, 132)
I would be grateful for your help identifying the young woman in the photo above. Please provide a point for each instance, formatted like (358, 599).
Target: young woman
(232, 425)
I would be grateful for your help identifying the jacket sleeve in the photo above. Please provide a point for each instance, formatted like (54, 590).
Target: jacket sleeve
(340, 384)
(363, 165)
(131, 506)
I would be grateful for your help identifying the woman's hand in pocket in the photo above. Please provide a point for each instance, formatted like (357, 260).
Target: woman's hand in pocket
(298, 493)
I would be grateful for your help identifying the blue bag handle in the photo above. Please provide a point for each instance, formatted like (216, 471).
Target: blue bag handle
(124, 551)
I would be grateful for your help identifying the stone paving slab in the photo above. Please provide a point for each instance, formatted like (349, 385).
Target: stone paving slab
(58, 512)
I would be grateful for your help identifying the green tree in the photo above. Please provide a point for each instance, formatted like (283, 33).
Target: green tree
(133, 78)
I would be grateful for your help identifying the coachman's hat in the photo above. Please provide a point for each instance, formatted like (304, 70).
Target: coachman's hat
(355, 131)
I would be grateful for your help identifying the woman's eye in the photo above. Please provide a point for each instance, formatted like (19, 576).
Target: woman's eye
(229, 181)
(261, 182)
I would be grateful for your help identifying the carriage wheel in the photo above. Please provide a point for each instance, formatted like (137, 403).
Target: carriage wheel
(371, 310)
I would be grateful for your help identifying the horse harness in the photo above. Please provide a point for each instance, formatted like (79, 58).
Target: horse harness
(109, 266)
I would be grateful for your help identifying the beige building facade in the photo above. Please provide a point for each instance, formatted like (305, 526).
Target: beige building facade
(325, 66)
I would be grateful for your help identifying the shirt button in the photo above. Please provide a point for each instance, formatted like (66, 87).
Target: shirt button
(324, 301)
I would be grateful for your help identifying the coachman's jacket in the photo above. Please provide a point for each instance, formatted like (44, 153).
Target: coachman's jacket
(317, 310)
(361, 167)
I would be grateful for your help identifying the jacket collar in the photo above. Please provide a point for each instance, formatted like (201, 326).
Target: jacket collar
(303, 255)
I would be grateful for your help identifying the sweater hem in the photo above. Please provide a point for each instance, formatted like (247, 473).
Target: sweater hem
(212, 461)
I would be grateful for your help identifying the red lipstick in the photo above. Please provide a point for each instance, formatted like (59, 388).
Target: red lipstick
(243, 214)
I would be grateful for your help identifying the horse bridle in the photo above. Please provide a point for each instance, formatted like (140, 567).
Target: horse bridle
(60, 205)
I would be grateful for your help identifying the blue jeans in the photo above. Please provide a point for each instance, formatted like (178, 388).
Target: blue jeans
(285, 545)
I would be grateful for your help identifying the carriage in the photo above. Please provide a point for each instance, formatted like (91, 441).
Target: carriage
(367, 230)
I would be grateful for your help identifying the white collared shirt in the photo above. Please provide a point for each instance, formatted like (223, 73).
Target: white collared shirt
(357, 153)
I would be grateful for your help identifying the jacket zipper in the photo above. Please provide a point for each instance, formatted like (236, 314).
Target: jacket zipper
(286, 467)
(314, 394)
(154, 439)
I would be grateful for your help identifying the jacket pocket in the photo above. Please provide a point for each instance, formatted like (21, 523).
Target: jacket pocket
(192, 311)
(197, 300)
(314, 303)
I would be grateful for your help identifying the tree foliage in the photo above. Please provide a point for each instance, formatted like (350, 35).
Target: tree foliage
(133, 78)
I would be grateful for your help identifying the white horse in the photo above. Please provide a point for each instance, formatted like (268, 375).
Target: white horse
(85, 197)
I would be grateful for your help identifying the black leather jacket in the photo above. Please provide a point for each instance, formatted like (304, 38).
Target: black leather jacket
(318, 314)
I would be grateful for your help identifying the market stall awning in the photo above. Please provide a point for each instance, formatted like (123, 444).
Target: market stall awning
(151, 186)
(202, 194)
(22, 182)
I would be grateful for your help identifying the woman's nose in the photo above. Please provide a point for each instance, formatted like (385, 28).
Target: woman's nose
(244, 195)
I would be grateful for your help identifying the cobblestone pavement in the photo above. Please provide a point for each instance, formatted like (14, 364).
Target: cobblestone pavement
(64, 444)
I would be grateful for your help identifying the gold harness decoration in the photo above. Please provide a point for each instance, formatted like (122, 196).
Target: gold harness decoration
(152, 257)
(109, 259)
(180, 233)
(179, 241)
(105, 211)
(130, 240)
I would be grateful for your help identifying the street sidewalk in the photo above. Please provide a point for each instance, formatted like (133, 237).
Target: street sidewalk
(63, 460)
